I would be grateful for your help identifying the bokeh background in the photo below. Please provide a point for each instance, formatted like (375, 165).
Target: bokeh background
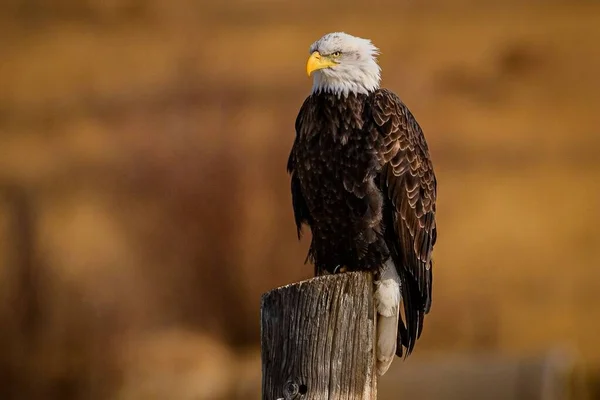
(145, 207)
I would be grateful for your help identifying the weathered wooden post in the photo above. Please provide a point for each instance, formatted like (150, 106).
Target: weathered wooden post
(318, 339)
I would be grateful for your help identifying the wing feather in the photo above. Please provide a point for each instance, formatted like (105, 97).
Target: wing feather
(301, 210)
(408, 181)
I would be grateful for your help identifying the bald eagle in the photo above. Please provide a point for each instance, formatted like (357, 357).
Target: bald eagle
(362, 179)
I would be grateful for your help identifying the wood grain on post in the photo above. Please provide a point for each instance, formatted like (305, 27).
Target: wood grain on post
(318, 339)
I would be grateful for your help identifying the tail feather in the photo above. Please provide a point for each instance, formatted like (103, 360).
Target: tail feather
(402, 333)
(413, 314)
(387, 328)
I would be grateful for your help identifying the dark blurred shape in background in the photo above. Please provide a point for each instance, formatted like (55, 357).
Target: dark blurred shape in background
(145, 207)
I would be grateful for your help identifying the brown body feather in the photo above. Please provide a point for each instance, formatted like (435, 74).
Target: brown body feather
(362, 179)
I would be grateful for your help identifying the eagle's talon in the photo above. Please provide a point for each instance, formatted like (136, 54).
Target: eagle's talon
(340, 269)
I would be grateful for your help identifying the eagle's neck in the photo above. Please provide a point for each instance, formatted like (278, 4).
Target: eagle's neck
(344, 82)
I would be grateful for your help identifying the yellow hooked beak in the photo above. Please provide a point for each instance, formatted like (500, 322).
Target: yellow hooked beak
(316, 61)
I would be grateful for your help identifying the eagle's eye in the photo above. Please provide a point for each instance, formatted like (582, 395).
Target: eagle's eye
(336, 53)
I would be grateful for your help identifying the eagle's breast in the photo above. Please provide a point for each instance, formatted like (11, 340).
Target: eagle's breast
(336, 166)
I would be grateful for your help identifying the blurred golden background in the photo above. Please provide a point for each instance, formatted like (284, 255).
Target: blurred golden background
(145, 206)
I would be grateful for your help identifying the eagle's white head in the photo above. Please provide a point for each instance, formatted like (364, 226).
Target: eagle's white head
(343, 64)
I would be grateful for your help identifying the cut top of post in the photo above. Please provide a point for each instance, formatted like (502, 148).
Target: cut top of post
(318, 339)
